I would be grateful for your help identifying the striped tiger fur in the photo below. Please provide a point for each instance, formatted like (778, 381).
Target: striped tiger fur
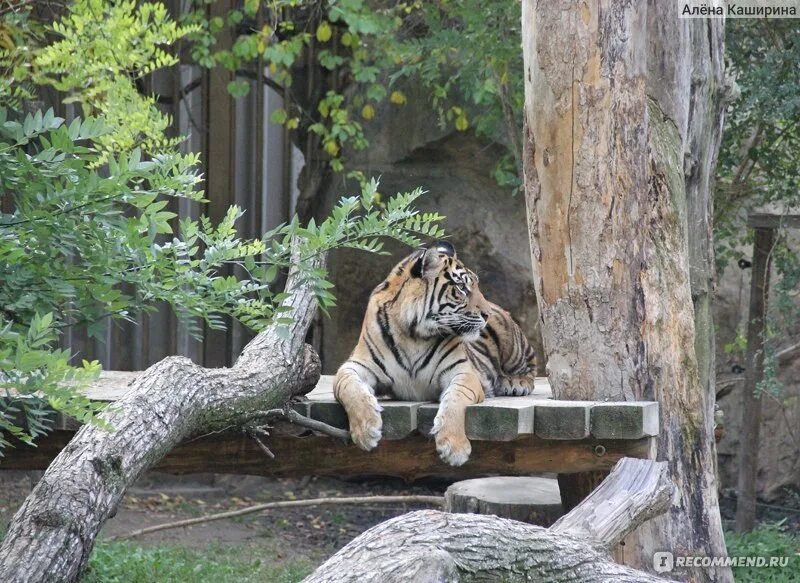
(429, 334)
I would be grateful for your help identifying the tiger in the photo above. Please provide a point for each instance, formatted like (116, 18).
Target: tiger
(429, 334)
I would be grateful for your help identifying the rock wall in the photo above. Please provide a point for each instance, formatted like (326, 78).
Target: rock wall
(485, 222)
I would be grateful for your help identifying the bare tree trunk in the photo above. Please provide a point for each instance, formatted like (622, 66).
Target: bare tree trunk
(435, 546)
(53, 533)
(623, 126)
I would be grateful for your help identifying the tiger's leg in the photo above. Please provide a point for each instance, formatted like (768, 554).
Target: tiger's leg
(448, 426)
(519, 372)
(352, 389)
(515, 385)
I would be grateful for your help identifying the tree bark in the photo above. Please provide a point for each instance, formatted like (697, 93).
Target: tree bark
(442, 547)
(53, 533)
(622, 131)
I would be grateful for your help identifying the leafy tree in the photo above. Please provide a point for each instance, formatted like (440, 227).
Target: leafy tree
(466, 53)
(89, 237)
(760, 156)
(760, 160)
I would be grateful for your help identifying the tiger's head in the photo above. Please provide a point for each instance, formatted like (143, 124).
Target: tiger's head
(437, 295)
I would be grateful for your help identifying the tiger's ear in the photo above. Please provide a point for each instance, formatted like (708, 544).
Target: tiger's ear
(431, 259)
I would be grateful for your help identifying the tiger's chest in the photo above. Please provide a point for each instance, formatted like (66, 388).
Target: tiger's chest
(408, 387)
(420, 372)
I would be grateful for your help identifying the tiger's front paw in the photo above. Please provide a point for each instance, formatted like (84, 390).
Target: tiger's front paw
(515, 386)
(366, 425)
(453, 447)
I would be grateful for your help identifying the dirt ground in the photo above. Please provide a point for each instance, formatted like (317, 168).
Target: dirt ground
(312, 533)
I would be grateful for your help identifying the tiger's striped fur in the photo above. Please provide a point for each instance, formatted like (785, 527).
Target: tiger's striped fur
(429, 334)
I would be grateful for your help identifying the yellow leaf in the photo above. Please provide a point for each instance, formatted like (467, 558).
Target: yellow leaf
(368, 112)
(347, 39)
(324, 32)
(332, 148)
(461, 123)
(397, 98)
(293, 123)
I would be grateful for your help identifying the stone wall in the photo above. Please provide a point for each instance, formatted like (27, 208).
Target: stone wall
(485, 223)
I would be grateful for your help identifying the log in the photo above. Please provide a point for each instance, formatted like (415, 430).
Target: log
(532, 500)
(634, 492)
(436, 546)
(53, 533)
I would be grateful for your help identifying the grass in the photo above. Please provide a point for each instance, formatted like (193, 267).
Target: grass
(124, 562)
(767, 540)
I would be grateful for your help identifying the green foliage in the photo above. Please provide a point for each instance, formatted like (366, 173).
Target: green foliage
(84, 245)
(121, 562)
(19, 36)
(759, 160)
(92, 236)
(347, 38)
(101, 49)
(468, 56)
(767, 540)
(466, 53)
(356, 222)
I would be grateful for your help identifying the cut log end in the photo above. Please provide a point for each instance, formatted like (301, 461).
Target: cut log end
(531, 500)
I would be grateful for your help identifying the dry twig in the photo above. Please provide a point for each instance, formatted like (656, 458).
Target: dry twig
(355, 500)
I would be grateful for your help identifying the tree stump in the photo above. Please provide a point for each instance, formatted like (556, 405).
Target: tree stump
(531, 500)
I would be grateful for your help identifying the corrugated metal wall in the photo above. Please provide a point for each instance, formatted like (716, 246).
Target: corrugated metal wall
(248, 161)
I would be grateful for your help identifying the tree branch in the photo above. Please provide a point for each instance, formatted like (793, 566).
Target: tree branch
(634, 492)
(53, 533)
(293, 416)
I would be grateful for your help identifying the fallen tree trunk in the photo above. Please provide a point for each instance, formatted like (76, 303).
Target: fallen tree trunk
(53, 533)
(428, 545)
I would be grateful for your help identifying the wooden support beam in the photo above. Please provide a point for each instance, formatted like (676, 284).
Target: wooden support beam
(496, 419)
(511, 436)
(751, 403)
(771, 220)
(410, 458)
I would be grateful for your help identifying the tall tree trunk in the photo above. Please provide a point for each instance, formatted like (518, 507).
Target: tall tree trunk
(53, 533)
(623, 125)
